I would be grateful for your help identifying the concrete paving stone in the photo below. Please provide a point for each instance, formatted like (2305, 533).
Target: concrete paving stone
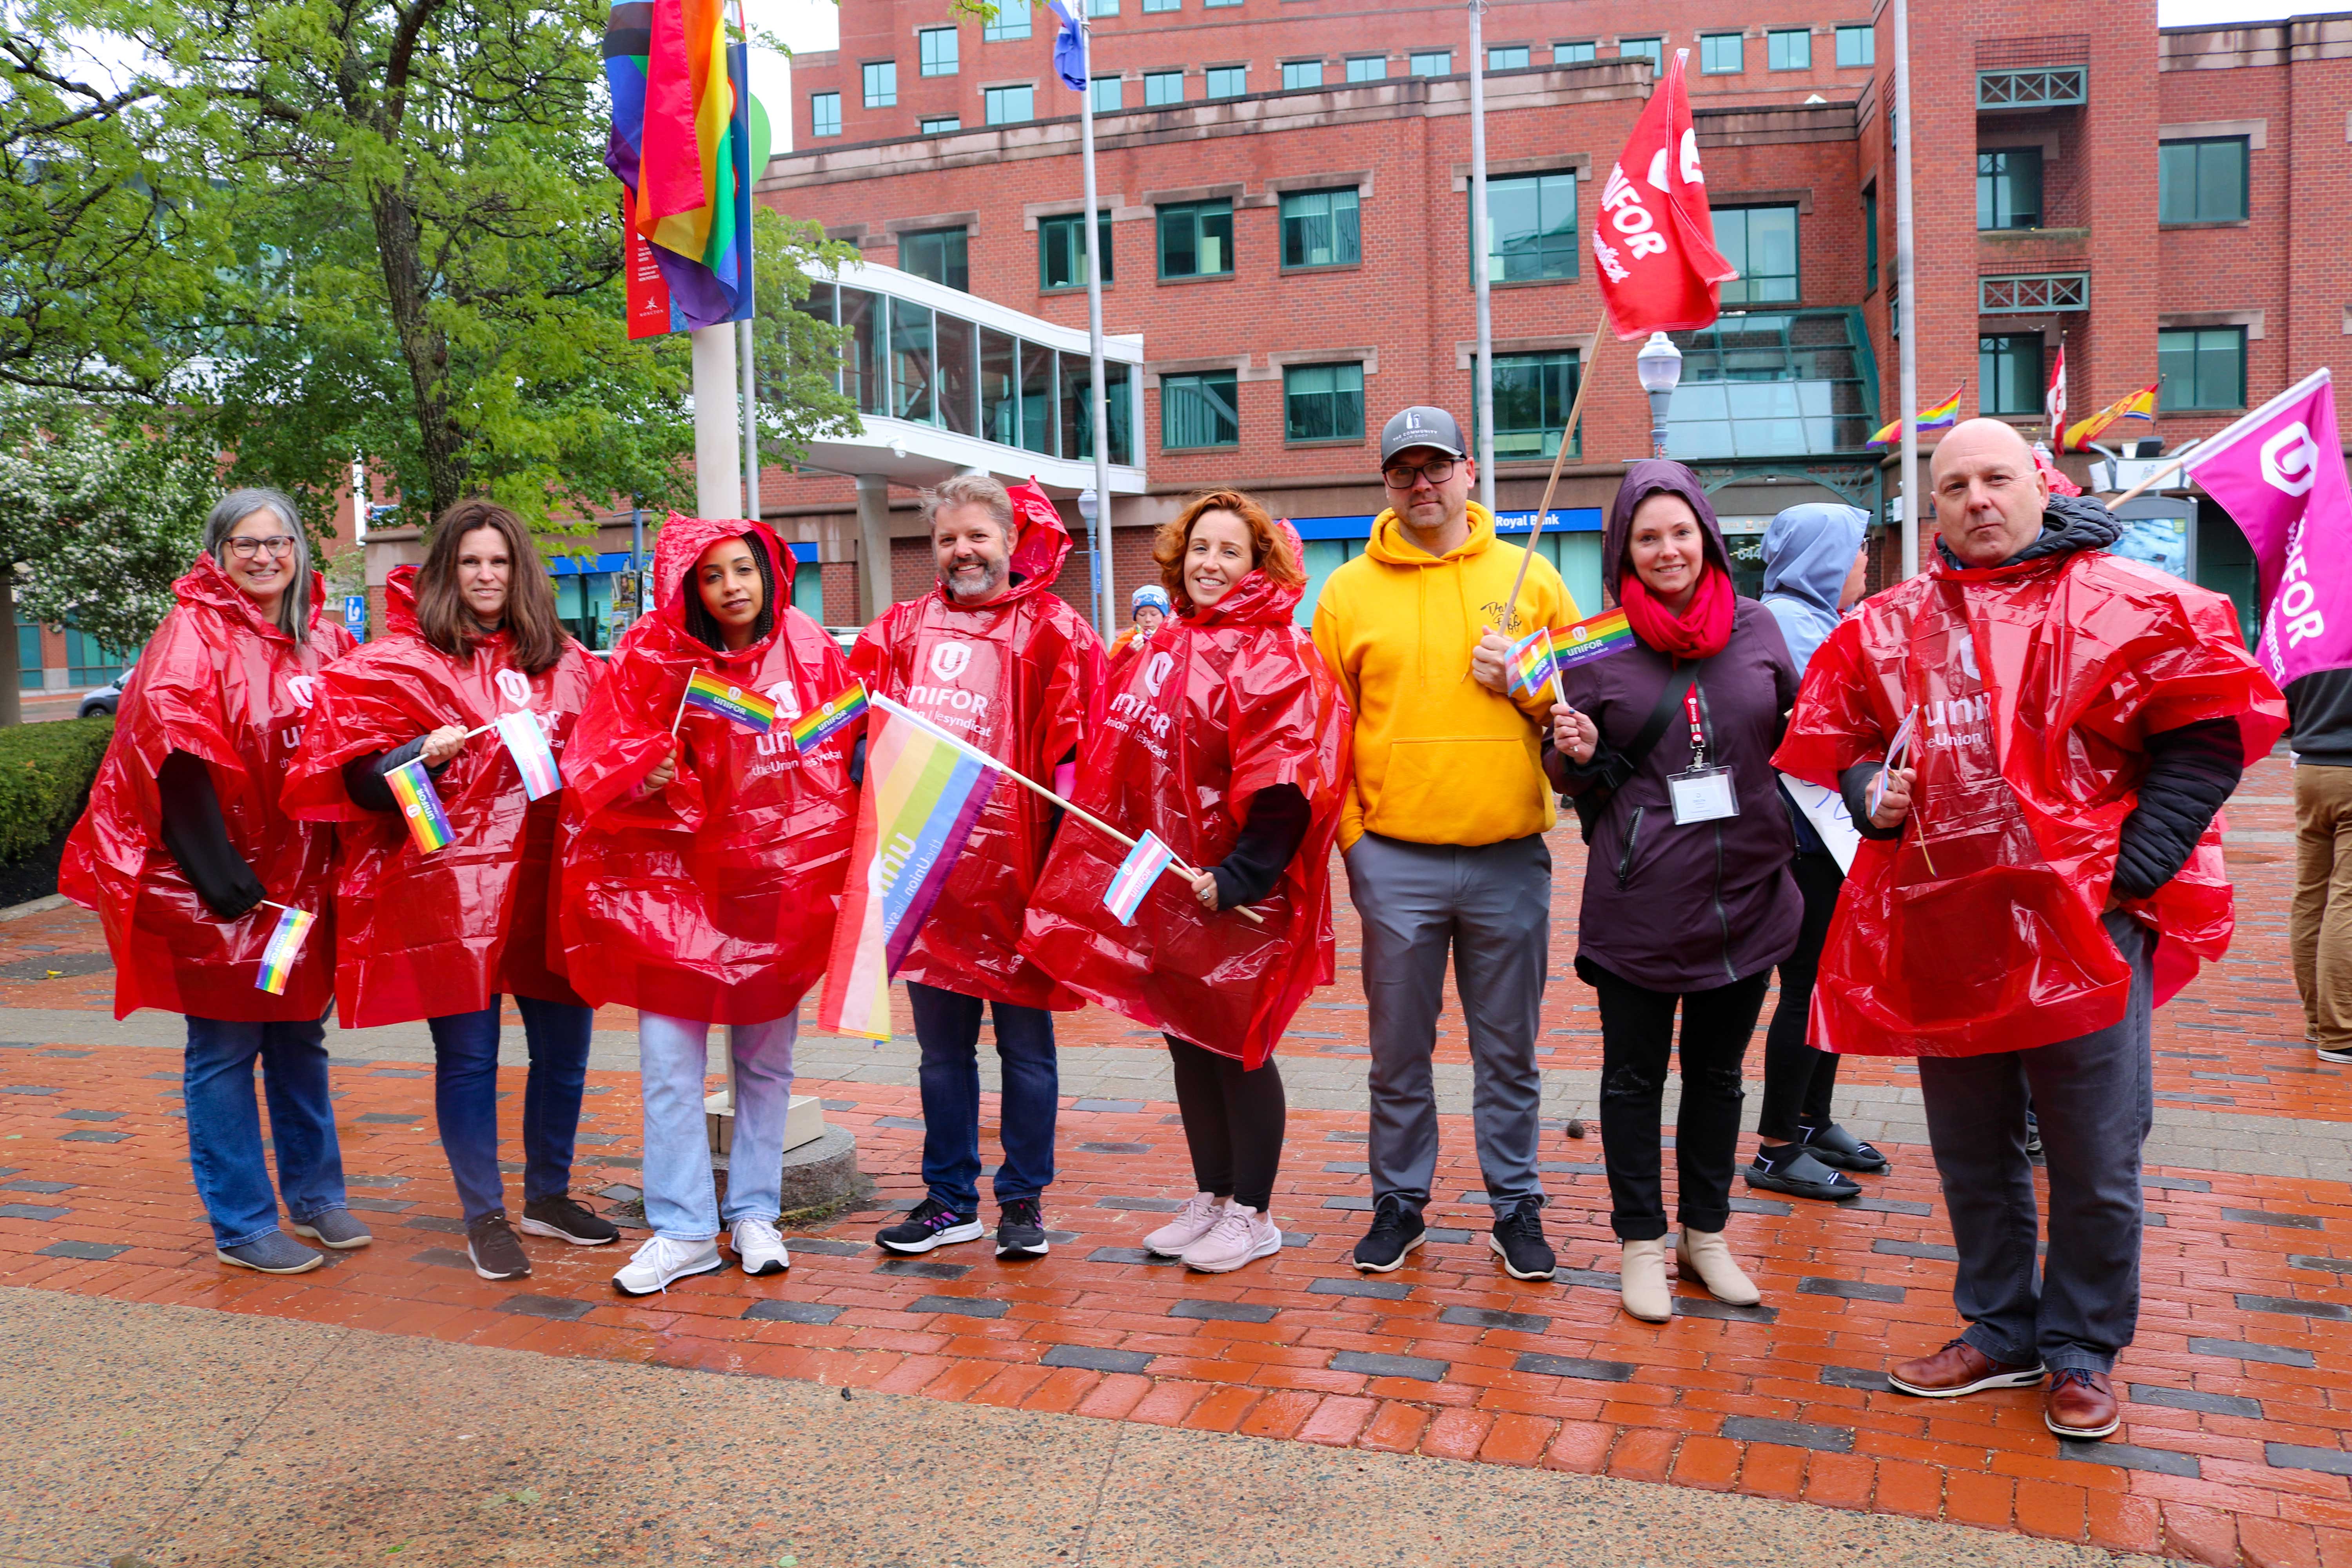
(812, 1314)
(1093, 1358)
(1707, 1307)
(1854, 1377)
(32, 1210)
(563, 1308)
(1849, 1289)
(441, 1223)
(1145, 1206)
(2290, 1306)
(2265, 1216)
(379, 1205)
(1581, 1368)
(1223, 1311)
(1350, 1204)
(2292, 1457)
(1793, 1433)
(1488, 1318)
(2196, 1400)
(90, 1251)
(443, 1256)
(1897, 1246)
(1372, 1363)
(1116, 1148)
(2246, 1350)
(1115, 1106)
(1370, 1290)
(1132, 1255)
(2176, 1183)
(79, 1114)
(2130, 1457)
(959, 1306)
(1885, 1205)
(2295, 1260)
(25, 1089)
(917, 1268)
(830, 1246)
(92, 1135)
(62, 1187)
(392, 1117)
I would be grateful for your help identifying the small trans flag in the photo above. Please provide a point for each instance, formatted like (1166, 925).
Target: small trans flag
(285, 947)
(818, 725)
(1136, 874)
(428, 825)
(1531, 661)
(748, 709)
(528, 744)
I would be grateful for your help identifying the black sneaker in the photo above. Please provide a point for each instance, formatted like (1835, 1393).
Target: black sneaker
(1836, 1147)
(490, 1243)
(1518, 1241)
(562, 1218)
(1021, 1230)
(1792, 1168)
(2032, 1136)
(932, 1224)
(1396, 1230)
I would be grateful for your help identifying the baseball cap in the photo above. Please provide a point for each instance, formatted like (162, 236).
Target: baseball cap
(1420, 426)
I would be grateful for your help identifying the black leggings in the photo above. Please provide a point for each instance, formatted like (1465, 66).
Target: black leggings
(1798, 1080)
(1233, 1123)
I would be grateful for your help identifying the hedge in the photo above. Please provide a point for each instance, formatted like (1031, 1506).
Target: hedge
(45, 775)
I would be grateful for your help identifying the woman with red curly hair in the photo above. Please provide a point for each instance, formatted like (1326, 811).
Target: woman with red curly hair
(1227, 739)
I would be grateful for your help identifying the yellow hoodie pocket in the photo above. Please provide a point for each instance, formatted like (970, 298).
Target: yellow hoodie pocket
(1469, 790)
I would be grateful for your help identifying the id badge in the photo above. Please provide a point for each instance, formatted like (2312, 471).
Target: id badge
(1702, 795)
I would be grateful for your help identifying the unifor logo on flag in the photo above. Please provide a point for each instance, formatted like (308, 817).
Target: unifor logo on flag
(1654, 237)
(2280, 473)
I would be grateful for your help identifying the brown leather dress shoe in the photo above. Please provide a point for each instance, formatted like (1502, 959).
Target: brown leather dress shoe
(2080, 1405)
(1960, 1368)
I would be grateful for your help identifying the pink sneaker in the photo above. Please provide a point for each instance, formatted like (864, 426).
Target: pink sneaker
(1240, 1236)
(1186, 1226)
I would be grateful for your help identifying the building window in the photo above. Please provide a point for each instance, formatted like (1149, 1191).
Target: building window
(1762, 242)
(1198, 411)
(935, 125)
(1011, 22)
(1296, 74)
(1109, 93)
(1151, 7)
(1789, 51)
(1062, 250)
(1102, 7)
(938, 46)
(2009, 188)
(2009, 373)
(881, 84)
(1196, 239)
(1870, 240)
(1431, 62)
(1507, 58)
(1367, 67)
(938, 254)
(1212, 4)
(90, 662)
(1651, 50)
(1531, 228)
(1323, 403)
(1856, 46)
(1532, 394)
(1321, 229)
(824, 114)
(1161, 87)
(1226, 81)
(1010, 105)
(1773, 384)
(1576, 54)
(2203, 181)
(1721, 53)
(2202, 367)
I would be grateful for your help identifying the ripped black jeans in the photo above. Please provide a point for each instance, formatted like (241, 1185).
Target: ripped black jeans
(1637, 1031)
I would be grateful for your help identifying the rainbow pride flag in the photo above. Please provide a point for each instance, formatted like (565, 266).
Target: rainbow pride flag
(285, 947)
(749, 708)
(923, 795)
(527, 744)
(427, 823)
(1595, 636)
(1135, 876)
(815, 727)
(1941, 418)
(1532, 661)
(682, 147)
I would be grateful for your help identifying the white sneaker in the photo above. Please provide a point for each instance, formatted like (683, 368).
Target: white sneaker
(1240, 1236)
(759, 1248)
(1186, 1226)
(661, 1263)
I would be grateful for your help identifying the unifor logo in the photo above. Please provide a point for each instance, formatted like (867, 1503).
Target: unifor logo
(2290, 459)
(304, 689)
(515, 687)
(1157, 671)
(950, 659)
(787, 701)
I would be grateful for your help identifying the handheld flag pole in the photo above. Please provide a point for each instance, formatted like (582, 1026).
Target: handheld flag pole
(1567, 439)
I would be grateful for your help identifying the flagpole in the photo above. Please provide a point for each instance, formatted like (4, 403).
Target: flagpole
(1105, 619)
(1482, 398)
(1567, 436)
(1906, 283)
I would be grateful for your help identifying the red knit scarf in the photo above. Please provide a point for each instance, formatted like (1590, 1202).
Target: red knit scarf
(1699, 632)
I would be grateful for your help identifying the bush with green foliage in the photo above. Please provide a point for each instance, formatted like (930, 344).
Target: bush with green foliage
(45, 775)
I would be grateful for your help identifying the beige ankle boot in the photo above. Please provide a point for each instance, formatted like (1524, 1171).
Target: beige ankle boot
(1641, 1279)
(1702, 1252)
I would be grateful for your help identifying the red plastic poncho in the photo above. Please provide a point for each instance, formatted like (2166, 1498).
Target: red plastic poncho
(714, 897)
(1222, 703)
(218, 682)
(425, 936)
(2025, 776)
(1021, 678)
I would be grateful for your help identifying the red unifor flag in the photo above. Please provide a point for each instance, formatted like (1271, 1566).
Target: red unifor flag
(1654, 239)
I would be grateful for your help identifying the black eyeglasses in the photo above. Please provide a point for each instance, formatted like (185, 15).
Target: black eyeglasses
(245, 547)
(1437, 471)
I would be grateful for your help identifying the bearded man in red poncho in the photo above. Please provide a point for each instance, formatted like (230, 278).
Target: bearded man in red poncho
(2040, 870)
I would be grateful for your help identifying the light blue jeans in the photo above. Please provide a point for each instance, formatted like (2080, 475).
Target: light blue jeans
(673, 1054)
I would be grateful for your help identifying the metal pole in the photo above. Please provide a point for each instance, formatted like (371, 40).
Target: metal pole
(1908, 292)
(1482, 394)
(1104, 619)
(751, 424)
(637, 554)
(718, 454)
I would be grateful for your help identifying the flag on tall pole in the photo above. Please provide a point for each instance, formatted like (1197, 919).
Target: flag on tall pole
(680, 146)
(1942, 416)
(2054, 400)
(2139, 405)
(1654, 236)
(1070, 44)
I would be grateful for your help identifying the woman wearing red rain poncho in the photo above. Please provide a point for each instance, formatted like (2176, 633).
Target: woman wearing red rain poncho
(444, 935)
(702, 876)
(184, 849)
(1227, 738)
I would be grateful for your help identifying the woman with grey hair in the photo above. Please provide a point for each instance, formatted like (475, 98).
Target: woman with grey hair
(191, 860)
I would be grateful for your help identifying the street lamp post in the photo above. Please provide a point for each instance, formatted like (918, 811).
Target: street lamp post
(1660, 366)
(1098, 585)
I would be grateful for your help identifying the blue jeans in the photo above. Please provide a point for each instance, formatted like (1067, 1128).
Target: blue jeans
(466, 1099)
(224, 1125)
(673, 1054)
(946, 1028)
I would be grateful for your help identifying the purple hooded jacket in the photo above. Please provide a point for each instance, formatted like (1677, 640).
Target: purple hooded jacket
(1690, 908)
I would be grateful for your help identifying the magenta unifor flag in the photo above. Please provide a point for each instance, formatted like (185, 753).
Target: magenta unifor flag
(2280, 473)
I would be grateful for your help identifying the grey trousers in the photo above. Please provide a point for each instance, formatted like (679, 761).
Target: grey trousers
(1492, 905)
(2094, 1097)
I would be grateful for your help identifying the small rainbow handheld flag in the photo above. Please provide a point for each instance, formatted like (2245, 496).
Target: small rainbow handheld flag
(1945, 413)
(1135, 876)
(1532, 660)
(528, 744)
(427, 823)
(1596, 637)
(815, 727)
(748, 709)
(285, 946)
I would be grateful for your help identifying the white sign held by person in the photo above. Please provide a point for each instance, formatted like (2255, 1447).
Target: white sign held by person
(1825, 809)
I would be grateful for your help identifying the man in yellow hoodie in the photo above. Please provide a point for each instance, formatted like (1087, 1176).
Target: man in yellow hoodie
(1442, 832)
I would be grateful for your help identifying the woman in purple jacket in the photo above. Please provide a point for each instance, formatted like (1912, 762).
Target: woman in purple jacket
(1665, 749)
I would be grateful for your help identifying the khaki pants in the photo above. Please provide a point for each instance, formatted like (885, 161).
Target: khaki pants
(2319, 930)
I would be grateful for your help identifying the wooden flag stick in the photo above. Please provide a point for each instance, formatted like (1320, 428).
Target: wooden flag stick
(1567, 439)
(2160, 475)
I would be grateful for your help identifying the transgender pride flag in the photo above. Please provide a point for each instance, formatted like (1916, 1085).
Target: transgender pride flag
(527, 743)
(1135, 876)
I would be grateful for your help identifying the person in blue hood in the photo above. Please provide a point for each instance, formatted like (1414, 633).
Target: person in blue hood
(1814, 570)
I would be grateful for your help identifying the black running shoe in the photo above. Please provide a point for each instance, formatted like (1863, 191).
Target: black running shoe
(565, 1220)
(932, 1224)
(1792, 1168)
(1021, 1230)
(1836, 1147)
(490, 1243)
(1396, 1230)
(1518, 1241)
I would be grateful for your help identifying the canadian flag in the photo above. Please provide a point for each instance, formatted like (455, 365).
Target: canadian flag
(2054, 401)
(1654, 239)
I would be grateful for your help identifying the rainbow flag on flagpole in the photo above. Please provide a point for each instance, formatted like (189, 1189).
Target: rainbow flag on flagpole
(685, 147)
(2140, 405)
(1942, 416)
(921, 797)
(1595, 636)
(1136, 875)
(285, 947)
(749, 708)
(527, 744)
(815, 727)
(1532, 660)
(428, 825)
